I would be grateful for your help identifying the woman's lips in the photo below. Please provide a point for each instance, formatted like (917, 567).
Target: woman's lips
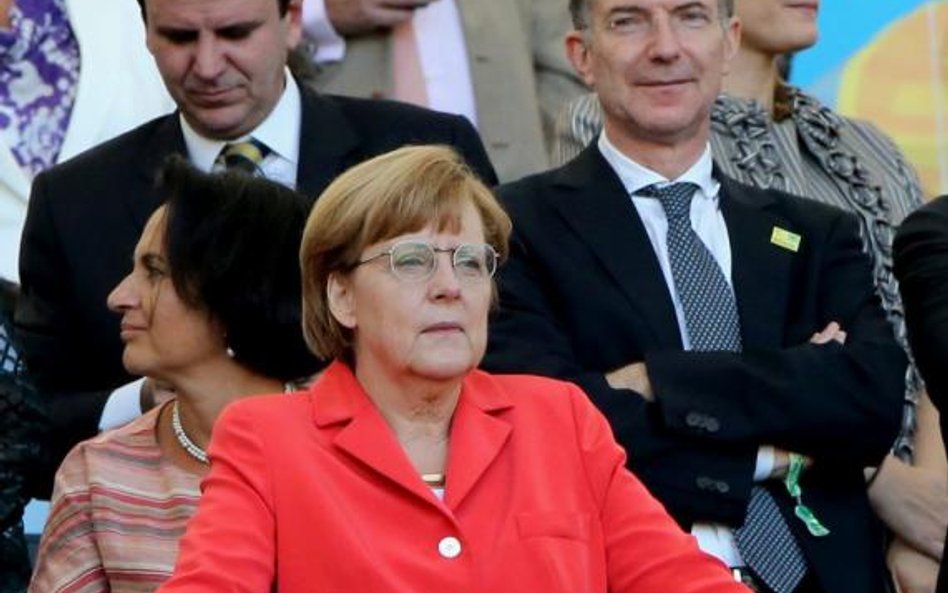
(129, 329)
(444, 326)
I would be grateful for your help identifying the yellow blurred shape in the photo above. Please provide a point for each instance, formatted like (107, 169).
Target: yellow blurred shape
(900, 83)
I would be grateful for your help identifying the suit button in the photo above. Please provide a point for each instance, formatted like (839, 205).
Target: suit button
(694, 419)
(449, 547)
(723, 487)
(712, 425)
(704, 483)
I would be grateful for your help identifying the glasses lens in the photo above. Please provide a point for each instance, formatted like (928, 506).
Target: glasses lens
(412, 261)
(475, 261)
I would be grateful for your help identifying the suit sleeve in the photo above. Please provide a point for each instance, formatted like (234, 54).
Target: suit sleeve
(837, 403)
(696, 448)
(645, 549)
(230, 542)
(921, 265)
(467, 141)
(697, 479)
(48, 337)
(557, 81)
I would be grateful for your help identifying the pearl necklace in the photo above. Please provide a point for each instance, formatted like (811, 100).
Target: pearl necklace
(185, 441)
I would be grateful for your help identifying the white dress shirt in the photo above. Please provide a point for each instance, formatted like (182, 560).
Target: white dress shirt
(708, 223)
(442, 51)
(280, 132)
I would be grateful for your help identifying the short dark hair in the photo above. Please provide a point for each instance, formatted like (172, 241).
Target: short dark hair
(283, 5)
(232, 243)
(579, 11)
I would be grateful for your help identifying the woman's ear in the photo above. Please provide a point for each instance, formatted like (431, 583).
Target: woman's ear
(340, 298)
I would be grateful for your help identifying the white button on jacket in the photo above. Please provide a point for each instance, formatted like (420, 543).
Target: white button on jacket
(449, 547)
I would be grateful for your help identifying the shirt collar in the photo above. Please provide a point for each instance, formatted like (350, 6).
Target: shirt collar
(634, 176)
(280, 131)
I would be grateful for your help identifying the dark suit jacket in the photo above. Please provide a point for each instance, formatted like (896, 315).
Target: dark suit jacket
(583, 294)
(85, 217)
(921, 266)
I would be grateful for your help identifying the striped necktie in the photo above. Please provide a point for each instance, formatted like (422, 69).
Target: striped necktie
(243, 156)
(710, 309)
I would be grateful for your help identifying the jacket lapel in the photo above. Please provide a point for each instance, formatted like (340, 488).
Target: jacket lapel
(477, 436)
(326, 141)
(760, 269)
(338, 399)
(166, 140)
(591, 199)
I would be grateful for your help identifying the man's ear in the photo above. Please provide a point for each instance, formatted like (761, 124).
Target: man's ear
(294, 23)
(577, 51)
(341, 302)
(732, 42)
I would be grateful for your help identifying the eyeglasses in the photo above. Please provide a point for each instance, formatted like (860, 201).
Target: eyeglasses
(416, 261)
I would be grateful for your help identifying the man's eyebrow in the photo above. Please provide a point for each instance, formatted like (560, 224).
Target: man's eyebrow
(626, 9)
(691, 6)
(238, 29)
(176, 33)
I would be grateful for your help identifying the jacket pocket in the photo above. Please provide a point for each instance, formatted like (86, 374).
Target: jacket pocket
(558, 524)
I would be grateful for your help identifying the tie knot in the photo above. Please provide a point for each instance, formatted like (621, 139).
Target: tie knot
(674, 197)
(243, 156)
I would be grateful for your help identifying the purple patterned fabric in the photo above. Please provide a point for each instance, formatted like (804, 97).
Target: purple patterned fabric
(39, 72)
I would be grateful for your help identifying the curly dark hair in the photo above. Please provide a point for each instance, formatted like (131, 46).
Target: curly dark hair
(232, 243)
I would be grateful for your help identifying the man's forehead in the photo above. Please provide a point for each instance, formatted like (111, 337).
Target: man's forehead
(207, 14)
(608, 6)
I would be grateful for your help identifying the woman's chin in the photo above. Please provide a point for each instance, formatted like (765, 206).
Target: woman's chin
(133, 365)
(444, 367)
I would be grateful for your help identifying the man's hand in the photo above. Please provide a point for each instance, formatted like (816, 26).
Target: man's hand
(913, 502)
(633, 376)
(154, 393)
(832, 331)
(352, 17)
(782, 464)
(912, 571)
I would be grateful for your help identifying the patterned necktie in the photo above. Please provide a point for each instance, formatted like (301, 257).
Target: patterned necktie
(243, 156)
(765, 541)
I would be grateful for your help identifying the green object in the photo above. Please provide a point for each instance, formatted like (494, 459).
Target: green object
(813, 524)
(792, 483)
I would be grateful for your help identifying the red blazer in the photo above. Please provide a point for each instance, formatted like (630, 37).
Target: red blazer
(312, 492)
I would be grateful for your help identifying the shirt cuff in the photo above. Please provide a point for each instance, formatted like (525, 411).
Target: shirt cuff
(766, 458)
(327, 45)
(123, 406)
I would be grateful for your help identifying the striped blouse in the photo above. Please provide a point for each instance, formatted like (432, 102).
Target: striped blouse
(118, 510)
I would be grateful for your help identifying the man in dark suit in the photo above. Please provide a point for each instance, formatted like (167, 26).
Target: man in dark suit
(223, 62)
(731, 335)
(920, 254)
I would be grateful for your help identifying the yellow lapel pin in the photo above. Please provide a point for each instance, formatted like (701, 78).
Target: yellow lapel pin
(784, 238)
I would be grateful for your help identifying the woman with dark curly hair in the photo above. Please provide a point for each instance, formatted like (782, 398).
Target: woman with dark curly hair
(211, 310)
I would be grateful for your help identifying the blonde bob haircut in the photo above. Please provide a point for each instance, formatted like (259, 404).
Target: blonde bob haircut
(396, 193)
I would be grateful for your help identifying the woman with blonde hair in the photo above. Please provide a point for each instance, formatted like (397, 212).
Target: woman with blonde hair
(404, 468)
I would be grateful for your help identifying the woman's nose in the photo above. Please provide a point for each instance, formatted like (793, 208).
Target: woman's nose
(123, 296)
